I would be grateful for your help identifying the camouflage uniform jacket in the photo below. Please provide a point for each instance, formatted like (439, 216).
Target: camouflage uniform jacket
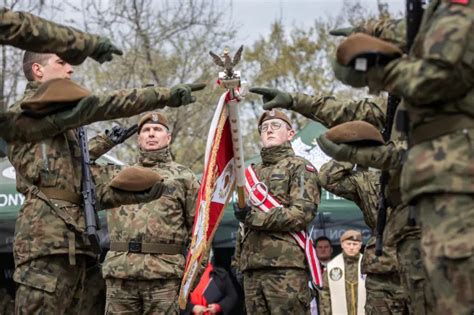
(294, 183)
(351, 264)
(363, 187)
(439, 97)
(330, 112)
(29, 32)
(56, 163)
(167, 220)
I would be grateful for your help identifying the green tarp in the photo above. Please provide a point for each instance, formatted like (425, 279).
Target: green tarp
(335, 214)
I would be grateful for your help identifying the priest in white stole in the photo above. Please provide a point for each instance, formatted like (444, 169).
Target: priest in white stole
(344, 285)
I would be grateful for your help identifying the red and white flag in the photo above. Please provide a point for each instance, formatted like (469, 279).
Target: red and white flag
(216, 188)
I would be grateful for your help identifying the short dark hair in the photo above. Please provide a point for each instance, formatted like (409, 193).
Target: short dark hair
(322, 238)
(29, 58)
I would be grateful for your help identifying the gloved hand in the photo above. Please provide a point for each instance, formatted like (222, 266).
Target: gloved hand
(339, 152)
(273, 98)
(151, 194)
(181, 94)
(345, 31)
(373, 78)
(119, 134)
(241, 214)
(116, 135)
(105, 51)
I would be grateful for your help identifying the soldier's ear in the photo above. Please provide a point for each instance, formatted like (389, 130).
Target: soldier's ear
(37, 70)
(291, 134)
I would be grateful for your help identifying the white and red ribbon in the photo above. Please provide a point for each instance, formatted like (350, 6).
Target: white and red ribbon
(259, 196)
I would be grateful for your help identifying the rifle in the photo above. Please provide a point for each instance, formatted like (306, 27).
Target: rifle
(88, 193)
(118, 134)
(414, 9)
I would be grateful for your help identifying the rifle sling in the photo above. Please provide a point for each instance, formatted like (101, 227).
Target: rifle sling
(70, 222)
(440, 127)
(147, 248)
(62, 194)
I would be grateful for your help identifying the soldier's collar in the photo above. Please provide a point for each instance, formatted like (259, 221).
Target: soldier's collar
(150, 158)
(275, 154)
(32, 86)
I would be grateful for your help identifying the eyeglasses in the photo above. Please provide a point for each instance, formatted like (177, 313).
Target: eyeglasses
(274, 125)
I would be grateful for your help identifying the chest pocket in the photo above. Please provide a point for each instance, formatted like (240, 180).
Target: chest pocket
(279, 184)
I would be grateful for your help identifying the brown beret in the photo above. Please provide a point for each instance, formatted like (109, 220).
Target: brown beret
(135, 178)
(53, 96)
(374, 50)
(153, 118)
(355, 132)
(352, 235)
(274, 114)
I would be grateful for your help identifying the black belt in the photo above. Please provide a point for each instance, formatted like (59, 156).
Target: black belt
(146, 248)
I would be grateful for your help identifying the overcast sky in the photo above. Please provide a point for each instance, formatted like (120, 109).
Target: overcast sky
(255, 16)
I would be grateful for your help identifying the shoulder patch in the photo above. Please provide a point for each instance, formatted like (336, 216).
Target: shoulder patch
(310, 168)
(463, 2)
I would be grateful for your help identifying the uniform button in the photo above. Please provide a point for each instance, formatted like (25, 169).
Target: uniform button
(464, 131)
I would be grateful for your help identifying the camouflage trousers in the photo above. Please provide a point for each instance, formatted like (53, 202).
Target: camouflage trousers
(159, 296)
(92, 300)
(447, 238)
(277, 291)
(384, 294)
(413, 275)
(49, 285)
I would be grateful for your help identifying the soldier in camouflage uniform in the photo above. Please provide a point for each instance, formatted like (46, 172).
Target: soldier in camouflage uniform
(274, 267)
(437, 177)
(329, 111)
(384, 292)
(32, 33)
(145, 264)
(26, 31)
(50, 250)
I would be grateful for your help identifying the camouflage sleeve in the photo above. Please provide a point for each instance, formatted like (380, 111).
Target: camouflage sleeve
(330, 111)
(304, 195)
(29, 32)
(99, 145)
(325, 296)
(336, 177)
(445, 68)
(390, 30)
(192, 188)
(117, 104)
(384, 157)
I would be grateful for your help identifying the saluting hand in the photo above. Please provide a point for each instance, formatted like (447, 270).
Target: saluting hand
(181, 94)
(338, 151)
(105, 51)
(273, 98)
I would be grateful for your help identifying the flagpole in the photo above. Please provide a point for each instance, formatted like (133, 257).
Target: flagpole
(230, 80)
(239, 164)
